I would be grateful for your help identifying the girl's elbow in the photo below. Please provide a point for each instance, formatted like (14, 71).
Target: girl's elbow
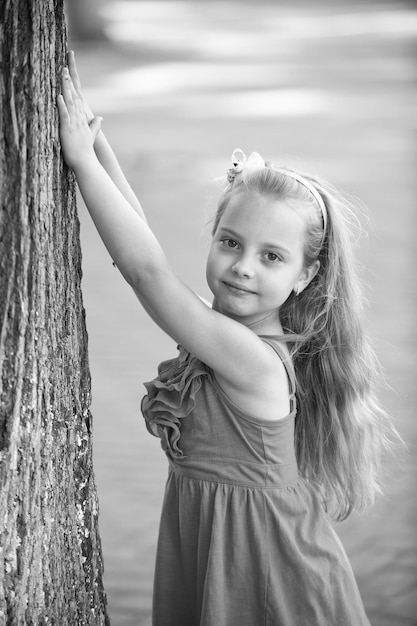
(143, 278)
(134, 278)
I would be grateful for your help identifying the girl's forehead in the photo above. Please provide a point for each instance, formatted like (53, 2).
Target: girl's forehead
(264, 217)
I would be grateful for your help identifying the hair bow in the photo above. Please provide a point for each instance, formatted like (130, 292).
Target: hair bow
(241, 162)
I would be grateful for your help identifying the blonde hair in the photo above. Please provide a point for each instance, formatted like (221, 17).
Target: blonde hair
(341, 431)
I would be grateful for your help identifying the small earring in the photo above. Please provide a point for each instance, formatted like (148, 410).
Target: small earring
(297, 290)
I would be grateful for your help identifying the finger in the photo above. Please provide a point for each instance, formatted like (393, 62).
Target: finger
(62, 109)
(77, 84)
(73, 71)
(66, 89)
(72, 98)
(69, 81)
(76, 94)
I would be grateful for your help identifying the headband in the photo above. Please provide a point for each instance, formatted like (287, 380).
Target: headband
(254, 162)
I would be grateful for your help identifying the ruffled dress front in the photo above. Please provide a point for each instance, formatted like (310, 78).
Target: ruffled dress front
(243, 540)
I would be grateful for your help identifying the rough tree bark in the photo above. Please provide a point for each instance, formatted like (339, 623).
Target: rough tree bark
(50, 554)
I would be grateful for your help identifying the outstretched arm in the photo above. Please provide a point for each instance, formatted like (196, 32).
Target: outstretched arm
(109, 162)
(233, 351)
(103, 150)
(124, 232)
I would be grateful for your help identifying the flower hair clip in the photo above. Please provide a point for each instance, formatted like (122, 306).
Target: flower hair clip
(241, 162)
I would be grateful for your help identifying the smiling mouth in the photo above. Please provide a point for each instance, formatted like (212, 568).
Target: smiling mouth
(237, 288)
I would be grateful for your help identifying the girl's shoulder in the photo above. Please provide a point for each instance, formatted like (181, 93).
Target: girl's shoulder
(273, 397)
(280, 345)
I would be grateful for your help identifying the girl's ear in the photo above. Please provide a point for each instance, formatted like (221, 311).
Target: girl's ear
(306, 277)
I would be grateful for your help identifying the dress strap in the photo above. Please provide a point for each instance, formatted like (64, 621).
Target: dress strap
(276, 344)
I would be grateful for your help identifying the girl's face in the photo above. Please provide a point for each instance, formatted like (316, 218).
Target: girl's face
(256, 257)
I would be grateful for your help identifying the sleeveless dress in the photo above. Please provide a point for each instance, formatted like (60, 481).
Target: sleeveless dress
(243, 539)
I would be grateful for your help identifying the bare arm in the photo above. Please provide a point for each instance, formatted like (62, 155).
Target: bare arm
(236, 354)
(103, 150)
(109, 162)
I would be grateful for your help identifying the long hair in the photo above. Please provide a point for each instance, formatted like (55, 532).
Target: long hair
(341, 431)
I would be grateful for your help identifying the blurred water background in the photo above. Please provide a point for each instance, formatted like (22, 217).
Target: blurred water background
(327, 85)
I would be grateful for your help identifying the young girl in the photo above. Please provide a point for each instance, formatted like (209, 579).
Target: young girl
(267, 415)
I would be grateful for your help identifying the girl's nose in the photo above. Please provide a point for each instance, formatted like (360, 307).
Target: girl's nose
(243, 268)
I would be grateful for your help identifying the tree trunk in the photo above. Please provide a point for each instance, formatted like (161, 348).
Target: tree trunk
(50, 554)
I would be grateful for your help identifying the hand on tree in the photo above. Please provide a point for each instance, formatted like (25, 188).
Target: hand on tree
(77, 84)
(77, 135)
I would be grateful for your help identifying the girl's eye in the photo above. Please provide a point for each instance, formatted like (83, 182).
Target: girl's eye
(230, 243)
(272, 257)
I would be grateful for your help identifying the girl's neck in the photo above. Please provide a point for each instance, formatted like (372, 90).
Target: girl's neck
(268, 324)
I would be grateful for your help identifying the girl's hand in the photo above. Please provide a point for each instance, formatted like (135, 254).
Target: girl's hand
(77, 135)
(77, 84)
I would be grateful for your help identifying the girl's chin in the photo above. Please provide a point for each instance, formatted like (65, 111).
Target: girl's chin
(229, 309)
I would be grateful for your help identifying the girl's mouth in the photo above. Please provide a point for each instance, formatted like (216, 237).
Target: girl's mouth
(238, 289)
